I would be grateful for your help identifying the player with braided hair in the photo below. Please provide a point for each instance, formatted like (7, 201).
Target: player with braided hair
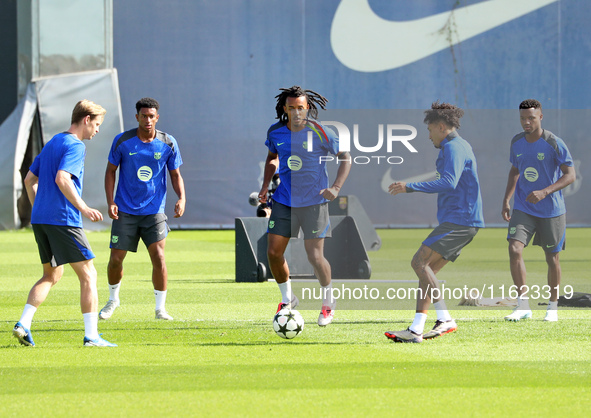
(301, 199)
(459, 212)
(314, 100)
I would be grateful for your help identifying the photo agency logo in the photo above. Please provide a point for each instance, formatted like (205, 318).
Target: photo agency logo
(387, 139)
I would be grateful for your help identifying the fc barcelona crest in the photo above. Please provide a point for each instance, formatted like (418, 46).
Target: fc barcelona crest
(157, 155)
(540, 156)
(343, 202)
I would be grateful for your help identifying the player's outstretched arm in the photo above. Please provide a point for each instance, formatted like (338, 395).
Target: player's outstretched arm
(31, 183)
(397, 187)
(509, 190)
(271, 165)
(63, 179)
(178, 184)
(332, 192)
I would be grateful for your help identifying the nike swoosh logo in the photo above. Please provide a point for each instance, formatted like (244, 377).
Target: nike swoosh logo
(132, 153)
(315, 232)
(387, 179)
(549, 246)
(519, 155)
(281, 143)
(363, 41)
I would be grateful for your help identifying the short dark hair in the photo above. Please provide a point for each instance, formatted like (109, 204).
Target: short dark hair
(529, 104)
(444, 112)
(146, 102)
(314, 100)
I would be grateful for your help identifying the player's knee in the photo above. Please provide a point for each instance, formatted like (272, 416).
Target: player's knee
(315, 258)
(274, 255)
(515, 248)
(51, 278)
(553, 259)
(159, 262)
(417, 262)
(114, 264)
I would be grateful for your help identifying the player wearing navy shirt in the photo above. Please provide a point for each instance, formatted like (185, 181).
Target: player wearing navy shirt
(541, 166)
(143, 155)
(459, 212)
(54, 187)
(301, 199)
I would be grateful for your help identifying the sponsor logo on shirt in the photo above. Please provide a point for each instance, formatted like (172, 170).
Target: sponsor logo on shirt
(294, 163)
(531, 174)
(144, 173)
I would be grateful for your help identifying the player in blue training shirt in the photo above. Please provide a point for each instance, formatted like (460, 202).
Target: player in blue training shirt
(54, 187)
(301, 199)
(541, 166)
(143, 156)
(459, 212)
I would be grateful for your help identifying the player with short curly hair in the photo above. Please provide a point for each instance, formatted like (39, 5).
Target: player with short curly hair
(459, 212)
(541, 166)
(143, 156)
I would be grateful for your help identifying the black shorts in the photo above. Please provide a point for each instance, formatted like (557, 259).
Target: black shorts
(313, 220)
(550, 233)
(60, 244)
(128, 229)
(448, 239)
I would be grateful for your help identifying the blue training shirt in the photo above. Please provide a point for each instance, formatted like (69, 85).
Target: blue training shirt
(302, 172)
(539, 166)
(459, 200)
(63, 152)
(141, 189)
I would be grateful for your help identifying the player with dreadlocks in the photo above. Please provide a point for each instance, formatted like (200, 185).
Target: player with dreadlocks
(459, 212)
(301, 199)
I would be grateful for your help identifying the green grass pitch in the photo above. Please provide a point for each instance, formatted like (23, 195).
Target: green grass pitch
(220, 356)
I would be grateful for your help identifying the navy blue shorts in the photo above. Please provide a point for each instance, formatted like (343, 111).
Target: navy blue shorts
(60, 244)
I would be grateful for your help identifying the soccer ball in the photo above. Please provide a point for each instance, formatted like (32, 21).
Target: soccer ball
(253, 199)
(288, 323)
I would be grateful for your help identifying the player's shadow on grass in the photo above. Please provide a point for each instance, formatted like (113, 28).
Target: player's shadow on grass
(267, 343)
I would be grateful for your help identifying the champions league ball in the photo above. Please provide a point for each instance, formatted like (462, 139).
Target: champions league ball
(288, 323)
(253, 199)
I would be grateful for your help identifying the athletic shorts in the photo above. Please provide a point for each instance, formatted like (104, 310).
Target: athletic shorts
(313, 220)
(550, 233)
(128, 229)
(59, 244)
(448, 239)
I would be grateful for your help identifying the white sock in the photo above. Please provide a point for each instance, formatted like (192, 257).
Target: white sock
(285, 289)
(327, 296)
(442, 313)
(27, 316)
(418, 324)
(90, 325)
(114, 292)
(553, 306)
(160, 299)
(523, 303)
